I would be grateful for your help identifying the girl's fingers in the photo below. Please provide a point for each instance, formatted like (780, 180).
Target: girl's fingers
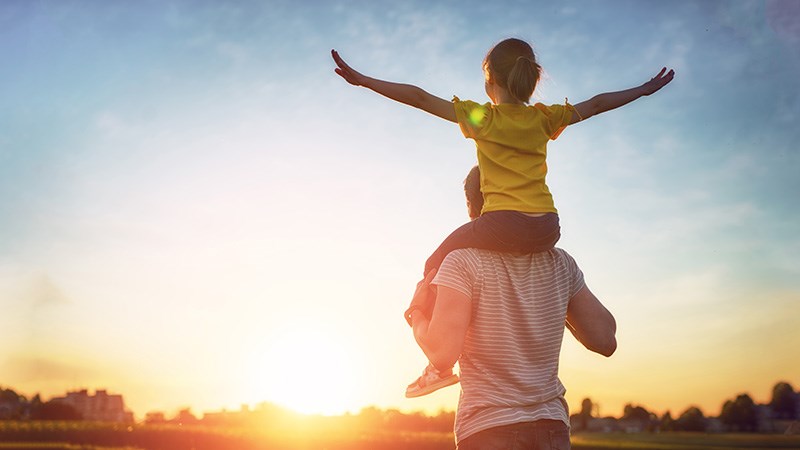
(338, 59)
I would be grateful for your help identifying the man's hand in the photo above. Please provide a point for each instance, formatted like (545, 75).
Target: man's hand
(424, 298)
(348, 73)
(658, 81)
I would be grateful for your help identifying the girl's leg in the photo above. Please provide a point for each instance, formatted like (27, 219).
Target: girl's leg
(542, 233)
(477, 234)
(502, 231)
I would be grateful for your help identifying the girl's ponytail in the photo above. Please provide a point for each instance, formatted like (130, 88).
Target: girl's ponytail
(512, 64)
(523, 77)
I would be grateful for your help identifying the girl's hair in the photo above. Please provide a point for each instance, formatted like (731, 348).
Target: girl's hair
(512, 65)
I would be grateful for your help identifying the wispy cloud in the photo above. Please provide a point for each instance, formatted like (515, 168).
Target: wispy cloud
(44, 292)
(36, 369)
(783, 16)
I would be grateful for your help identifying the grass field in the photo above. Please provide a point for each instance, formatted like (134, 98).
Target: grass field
(98, 436)
(683, 441)
(55, 446)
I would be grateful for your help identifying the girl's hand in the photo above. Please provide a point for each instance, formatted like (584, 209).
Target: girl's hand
(399, 92)
(348, 73)
(658, 81)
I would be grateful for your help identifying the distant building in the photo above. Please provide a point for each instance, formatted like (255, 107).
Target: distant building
(155, 417)
(603, 424)
(594, 424)
(225, 417)
(100, 407)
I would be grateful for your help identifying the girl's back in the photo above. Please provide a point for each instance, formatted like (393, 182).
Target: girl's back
(511, 141)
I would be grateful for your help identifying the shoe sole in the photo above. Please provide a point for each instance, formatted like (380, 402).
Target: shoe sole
(444, 382)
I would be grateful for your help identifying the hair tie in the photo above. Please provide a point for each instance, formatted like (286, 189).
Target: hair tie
(525, 58)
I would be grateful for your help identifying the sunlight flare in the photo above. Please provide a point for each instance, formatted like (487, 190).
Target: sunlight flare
(306, 370)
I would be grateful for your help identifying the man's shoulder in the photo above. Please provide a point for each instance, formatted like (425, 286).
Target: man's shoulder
(475, 259)
(478, 253)
(464, 256)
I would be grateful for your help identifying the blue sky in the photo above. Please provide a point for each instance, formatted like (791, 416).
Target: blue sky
(184, 183)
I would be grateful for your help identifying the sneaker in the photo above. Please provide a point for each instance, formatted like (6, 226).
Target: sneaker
(431, 380)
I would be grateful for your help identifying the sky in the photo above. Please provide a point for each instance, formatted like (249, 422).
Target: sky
(196, 211)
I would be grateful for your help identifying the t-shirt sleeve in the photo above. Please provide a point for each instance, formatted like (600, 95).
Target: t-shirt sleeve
(456, 272)
(576, 281)
(557, 118)
(471, 116)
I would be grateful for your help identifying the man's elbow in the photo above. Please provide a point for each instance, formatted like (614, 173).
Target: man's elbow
(608, 347)
(609, 344)
(604, 344)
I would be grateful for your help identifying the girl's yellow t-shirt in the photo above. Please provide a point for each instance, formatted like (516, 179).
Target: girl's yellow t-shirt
(512, 151)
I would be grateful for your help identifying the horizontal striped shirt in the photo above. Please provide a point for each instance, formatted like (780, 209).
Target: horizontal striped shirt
(509, 363)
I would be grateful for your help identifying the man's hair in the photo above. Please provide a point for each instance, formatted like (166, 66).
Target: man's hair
(472, 189)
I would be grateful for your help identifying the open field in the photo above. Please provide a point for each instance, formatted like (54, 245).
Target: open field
(98, 436)
(683, 441)
(56, 446)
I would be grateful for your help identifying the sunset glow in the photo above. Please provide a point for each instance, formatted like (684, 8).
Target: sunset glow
(197, 212)
(307, 371)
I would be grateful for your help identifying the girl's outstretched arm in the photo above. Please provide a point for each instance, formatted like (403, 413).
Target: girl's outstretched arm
(403, 93)
(612, 100)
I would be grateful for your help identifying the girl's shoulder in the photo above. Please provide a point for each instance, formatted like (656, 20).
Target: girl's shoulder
(548, 109)
(470, 103)
(471, 115)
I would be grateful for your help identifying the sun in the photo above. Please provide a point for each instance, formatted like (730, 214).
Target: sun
(307, 371)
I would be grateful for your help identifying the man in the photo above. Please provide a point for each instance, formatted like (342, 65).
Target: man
(502, 317)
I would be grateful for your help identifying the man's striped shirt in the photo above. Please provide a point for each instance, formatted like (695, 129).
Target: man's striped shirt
(509, 363)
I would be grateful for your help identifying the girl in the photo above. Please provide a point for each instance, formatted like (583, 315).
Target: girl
(518, 213)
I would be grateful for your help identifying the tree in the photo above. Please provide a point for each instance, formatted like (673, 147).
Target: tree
(667, 423)
(585, 414)
(638, 414)
(740, 414)
(692, 419)
(586, 407)
(443, 421)
(784, 402)
(12, 405)
(185, 417)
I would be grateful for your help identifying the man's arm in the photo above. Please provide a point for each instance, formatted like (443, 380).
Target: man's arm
(612, 100)
(591, 323)
(442, 336)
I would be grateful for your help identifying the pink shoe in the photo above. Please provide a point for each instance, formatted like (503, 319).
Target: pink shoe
(431, 380)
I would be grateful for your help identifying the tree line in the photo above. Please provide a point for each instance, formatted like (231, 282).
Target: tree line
(740, 414)
(14, 406)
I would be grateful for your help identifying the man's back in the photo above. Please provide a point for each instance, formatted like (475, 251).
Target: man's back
(509, 362)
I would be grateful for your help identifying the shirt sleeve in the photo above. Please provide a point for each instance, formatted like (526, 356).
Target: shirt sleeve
(558, 117)
(456, 272)
(576, 280)
(471, 116)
